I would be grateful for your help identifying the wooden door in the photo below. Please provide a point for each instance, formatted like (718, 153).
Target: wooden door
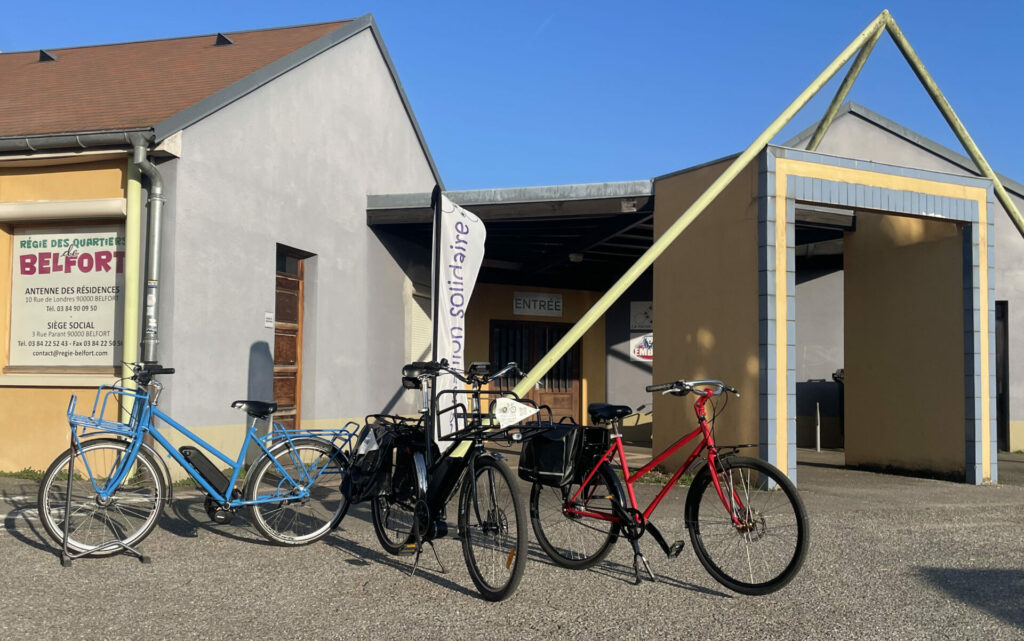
(288, 341)
(526, 343)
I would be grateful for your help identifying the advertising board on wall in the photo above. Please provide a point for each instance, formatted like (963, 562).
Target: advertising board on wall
(67, 293)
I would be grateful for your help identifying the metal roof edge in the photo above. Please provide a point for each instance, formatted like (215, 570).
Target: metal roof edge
(514, 195)
(262, 76)
(702, 165)
(255, 80)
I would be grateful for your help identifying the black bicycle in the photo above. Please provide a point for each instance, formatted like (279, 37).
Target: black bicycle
(409, 479)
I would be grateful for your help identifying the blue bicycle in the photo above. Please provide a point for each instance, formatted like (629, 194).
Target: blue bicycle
(106, 492)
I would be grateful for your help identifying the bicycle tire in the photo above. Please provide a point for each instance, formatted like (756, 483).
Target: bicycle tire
(297, 521)
(128, 516)
(576, 542)
(773, 538)
(394, 513)
(494, 547)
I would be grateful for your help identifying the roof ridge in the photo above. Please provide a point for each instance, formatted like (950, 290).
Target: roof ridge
(192, 37)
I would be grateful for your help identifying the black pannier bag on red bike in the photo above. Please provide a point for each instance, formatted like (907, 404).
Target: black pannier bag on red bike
(549, 458)
(371, 465)
(593, 444)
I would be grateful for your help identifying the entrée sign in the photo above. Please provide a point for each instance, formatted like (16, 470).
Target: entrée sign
(536, 304)
(67, 287)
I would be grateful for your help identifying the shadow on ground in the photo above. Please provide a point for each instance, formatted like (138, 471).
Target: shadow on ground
(994, 591)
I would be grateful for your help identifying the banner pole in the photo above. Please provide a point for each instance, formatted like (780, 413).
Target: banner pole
(435, 304)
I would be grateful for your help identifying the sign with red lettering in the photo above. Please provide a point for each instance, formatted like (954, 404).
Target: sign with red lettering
(67, 297)
(641, 347)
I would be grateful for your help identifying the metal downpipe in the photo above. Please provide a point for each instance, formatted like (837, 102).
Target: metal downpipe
(150, 337)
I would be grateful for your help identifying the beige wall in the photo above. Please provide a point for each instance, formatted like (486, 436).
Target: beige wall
(904, 343)
(494, 302)
(103, 179)
(33, 424)
(705, 311)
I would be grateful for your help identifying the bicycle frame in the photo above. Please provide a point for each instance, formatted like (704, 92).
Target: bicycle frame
(616, 448)
(142, 414)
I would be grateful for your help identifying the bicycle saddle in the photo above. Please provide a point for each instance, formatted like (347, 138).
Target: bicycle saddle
(257, 409)
(600, 412)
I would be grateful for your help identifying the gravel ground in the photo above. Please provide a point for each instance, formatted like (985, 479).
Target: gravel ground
(891, 558)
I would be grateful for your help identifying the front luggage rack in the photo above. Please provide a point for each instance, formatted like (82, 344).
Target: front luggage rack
(107, 398)
(485, 425)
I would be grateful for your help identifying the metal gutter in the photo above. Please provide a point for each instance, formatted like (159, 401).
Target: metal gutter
(72, 141)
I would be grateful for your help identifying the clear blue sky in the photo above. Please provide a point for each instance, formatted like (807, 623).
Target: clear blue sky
(538, 93)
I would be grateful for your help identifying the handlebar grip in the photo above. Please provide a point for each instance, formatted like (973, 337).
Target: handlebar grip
(424, 364)
(661, 387)
(158, 370)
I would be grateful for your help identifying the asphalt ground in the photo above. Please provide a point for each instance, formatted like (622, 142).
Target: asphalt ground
(891, 557)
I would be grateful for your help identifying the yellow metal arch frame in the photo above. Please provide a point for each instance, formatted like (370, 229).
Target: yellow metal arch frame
(861, 46)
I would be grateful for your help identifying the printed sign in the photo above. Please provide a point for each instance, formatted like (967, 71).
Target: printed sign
(67, 296)
(641, 348)
(510, 412)
(641, 316)
(461, 254)
(536, 304)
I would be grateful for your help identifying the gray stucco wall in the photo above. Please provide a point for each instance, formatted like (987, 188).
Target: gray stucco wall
(291, 163)
(854, 137)
(626, 379)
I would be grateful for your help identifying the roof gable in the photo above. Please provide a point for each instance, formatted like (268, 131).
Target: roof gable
(137, 84)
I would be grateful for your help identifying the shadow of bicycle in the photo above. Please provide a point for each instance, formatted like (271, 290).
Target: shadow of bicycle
(22, 521)
(362, 555)
(625, 573)
(1000, 592)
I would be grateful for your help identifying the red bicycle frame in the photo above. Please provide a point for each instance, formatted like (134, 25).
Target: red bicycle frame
(616, 448)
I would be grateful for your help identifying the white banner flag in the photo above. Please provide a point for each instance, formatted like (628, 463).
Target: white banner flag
(460, 257)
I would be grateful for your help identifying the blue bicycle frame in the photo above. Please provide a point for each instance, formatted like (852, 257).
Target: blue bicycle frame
(141, 424)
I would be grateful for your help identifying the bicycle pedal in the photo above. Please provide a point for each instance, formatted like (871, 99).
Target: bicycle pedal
(675, 549)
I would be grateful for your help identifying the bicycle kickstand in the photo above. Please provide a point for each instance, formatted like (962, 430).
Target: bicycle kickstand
(638, 559)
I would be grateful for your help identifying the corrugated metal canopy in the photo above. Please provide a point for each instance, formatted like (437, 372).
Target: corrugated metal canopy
(567, 236)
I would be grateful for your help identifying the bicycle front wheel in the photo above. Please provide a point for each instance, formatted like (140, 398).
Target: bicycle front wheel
(571, 540)
(278, 511)
(128, 515)
(492, 524)
(758, 545)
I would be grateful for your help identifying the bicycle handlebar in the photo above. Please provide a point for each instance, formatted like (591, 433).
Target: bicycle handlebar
(682, 388)
(429, 369)
(142, 373)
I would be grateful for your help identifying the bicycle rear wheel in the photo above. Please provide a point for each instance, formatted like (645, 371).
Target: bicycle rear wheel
(574, 541)
(765, 550)
(278, 513)
(492, 524)
(128, 515)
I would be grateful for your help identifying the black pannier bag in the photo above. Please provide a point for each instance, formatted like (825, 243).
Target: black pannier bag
(549, 458)
(371, 465)
(594, 444)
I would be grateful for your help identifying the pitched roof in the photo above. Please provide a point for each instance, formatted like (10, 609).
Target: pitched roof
(910, 136)
(137, 84)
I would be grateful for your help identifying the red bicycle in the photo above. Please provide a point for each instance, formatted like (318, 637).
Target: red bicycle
(747, 523)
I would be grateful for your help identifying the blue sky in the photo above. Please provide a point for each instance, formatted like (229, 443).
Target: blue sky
(539, 93)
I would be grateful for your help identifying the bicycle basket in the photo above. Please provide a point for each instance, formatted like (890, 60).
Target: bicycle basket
(371, 465)
(549, 458)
